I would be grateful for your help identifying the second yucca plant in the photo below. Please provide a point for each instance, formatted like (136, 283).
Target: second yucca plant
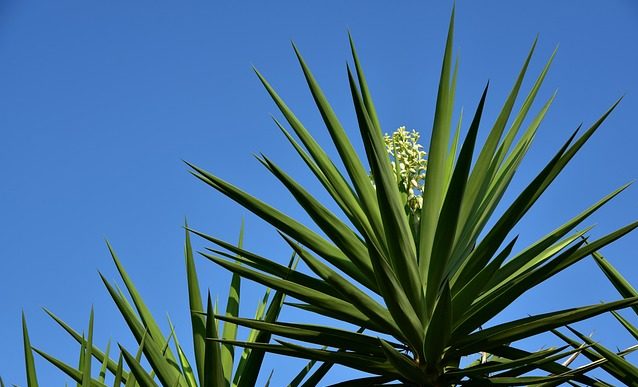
(214, 364)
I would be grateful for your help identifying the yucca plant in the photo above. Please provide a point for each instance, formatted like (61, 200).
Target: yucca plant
(214, 363)
(425, 285)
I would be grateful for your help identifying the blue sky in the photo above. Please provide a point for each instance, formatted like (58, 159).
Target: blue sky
(100, 102)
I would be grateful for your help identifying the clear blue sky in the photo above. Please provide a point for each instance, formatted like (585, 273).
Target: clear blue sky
(100, 101)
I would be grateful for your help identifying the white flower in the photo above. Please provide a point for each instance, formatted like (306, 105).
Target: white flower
(405, 151)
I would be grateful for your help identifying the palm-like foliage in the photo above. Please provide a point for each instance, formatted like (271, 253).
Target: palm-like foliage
(214, 366)
(613, 362)
(422, 285)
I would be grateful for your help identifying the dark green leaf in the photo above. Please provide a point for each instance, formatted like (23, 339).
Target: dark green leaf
(32, 379)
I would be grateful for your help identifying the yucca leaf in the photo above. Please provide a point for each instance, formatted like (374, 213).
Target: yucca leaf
(552, 367)
(296, 381)
(156, 349)
(99, 355)
(347, 203)
(506, 364)
(349, 293)
(102, 374)
(337, 307)
(433, 194)
(439, 328)
(358, 174)
(318, 375)
(132, 382)
(526, 380)
(527, 262)
(326, 336)
(70, 371)
(315, 377)
(597, 360)
(81, 362)
(252, 336)
(515, 330)
(32, 378)
(318, 154)
(189, 375)
(482, 192)
(360, 362)
(364, 382)
(269, 378)
(449, 216)
(479, 257)
(632, 329)
(363, 363)
(451, 158)
(119, 372)
(167, 370)
(141, 376)
(284, 223)
(620, 283)
(255, 357)
(524, 258)
(627, 372)
(403, 365)
(578, 144)
(501, 174)
(343, 237)
(493, 303)
(363, 86)
(339, 183)
(145, 315)
(401, 254)
(196, 308)
(187, 370)
(464, 297)
(393, 289)
(269, 267)
(479, 178)
(496, 174)
(257, 261)
(87, 354)
(213, 371)
(232, 309)
(531, 193)
(535, 364)
(523, 111)
(473, 226)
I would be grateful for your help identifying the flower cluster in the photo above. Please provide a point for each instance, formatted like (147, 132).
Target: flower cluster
(408, 163)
